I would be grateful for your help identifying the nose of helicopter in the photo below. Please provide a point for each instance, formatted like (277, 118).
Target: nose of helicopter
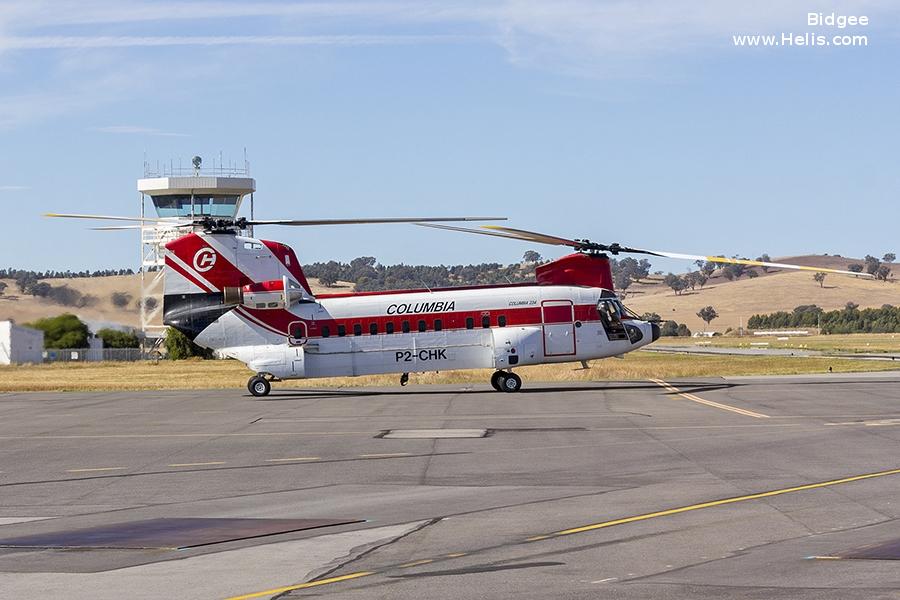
(655, 329)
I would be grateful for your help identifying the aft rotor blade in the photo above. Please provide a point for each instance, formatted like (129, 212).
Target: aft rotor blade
(301, 223)
(750, 263)
(108, 218)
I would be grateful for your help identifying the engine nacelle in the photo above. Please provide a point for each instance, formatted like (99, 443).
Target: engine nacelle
(278, 293)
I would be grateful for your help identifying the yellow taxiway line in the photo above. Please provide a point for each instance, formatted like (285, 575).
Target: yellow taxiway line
(674, 390)
(585, 528)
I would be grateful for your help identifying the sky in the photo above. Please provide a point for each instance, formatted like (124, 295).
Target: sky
(636, 122)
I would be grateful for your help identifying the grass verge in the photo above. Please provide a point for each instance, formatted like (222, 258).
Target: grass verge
(186, 375)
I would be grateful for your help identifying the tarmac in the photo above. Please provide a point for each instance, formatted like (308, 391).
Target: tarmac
(745, 487)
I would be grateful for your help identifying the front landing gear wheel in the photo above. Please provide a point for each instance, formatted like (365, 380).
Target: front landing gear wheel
(497, 380)
(259, 386)
(511, 382)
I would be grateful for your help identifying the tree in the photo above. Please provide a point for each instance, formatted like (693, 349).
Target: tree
(708, 268)
(3, 287)
(622, 281)
(707, 314)
(764, 258)
(819, 277)
(531, 256)
(113, 338)
(889, 257)
(855, 268)
(64, 331)
(752, 274)
(678, 284)
(882, 272)
(179, 346)
(872, 264)
(120, 299)
(651, 317)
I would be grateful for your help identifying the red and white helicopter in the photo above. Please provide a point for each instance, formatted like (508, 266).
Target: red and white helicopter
(248, 299)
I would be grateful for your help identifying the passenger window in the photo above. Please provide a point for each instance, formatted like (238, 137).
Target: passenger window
(373, 328)
(438, 324)
(470, 323)
(342, 330)
(486, 321)
(389, 328)
(405, 326)
(326, 331)
(357, 329)
(422, 326)
(501, 320)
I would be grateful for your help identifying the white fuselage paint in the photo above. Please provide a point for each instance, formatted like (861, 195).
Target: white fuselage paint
(239, 335)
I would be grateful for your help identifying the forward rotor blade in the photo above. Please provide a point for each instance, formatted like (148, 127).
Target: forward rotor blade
(749, 263)
(533, 236)
(467, 230)
(301, 223)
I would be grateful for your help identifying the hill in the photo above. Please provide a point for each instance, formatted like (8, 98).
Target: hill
(736, 301)
(102, 312)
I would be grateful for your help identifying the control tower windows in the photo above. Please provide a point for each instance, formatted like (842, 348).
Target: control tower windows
(179, 205)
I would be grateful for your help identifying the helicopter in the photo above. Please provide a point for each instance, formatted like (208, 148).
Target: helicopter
(248, 299)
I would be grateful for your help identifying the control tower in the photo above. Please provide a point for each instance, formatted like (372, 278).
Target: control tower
(182, 194)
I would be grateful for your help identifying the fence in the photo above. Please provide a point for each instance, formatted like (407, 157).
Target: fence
(98, 354)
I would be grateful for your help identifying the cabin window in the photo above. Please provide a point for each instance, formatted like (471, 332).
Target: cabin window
(326, 331)
(373, 328)
(342, 330)
(260, 305)
(357, 329)
(405, 326)
(470, 323)
(274, 304)
(422, 326)
(501, 320)
(389, 327)
(486, 321)
(438, 324)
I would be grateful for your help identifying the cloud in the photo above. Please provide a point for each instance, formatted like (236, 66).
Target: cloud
(13, 188)
(138, 130)
(82, 42)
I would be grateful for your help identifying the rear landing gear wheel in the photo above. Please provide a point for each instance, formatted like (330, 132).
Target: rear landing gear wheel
(404, 379)
(497, 380)
(259, 386)
(511, 382)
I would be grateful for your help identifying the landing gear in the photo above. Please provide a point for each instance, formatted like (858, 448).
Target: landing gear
(259, 386)
(404, 379)
(511, 383)
(503, 381)
(497, 380)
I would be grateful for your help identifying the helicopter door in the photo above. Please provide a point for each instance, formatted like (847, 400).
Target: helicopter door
(558, 320)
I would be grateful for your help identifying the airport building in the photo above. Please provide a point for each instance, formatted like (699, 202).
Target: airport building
(20, 344)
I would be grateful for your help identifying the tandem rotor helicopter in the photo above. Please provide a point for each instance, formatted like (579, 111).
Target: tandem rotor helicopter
(248, 299)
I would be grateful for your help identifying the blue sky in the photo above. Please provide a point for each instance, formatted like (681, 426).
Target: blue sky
(637, 122)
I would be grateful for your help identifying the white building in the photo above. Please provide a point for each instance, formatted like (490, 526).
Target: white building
(20, 344)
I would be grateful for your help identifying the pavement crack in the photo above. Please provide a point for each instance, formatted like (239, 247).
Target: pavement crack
(331, 569)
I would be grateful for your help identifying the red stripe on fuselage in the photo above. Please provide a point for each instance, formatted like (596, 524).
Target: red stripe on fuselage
(279, 320)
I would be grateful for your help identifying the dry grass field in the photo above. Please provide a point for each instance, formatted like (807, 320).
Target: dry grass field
(197, 374)
(737, 301)
(850, 343)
